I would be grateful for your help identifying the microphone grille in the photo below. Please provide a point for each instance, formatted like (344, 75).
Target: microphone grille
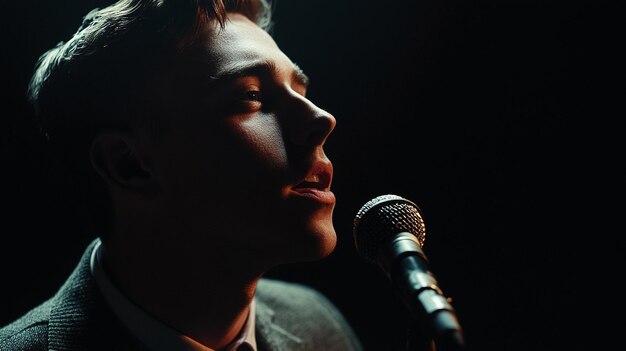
(383, 217)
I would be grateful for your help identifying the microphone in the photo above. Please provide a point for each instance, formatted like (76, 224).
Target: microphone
(389, 232)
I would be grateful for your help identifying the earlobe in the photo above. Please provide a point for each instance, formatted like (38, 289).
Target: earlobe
(117, 158)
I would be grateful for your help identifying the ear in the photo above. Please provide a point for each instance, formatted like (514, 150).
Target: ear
(115, 156)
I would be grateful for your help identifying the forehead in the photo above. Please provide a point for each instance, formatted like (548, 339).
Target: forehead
(239, 42)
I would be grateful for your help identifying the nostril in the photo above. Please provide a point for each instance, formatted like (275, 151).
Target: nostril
(317, 137)
(312, 124)
(320, 128)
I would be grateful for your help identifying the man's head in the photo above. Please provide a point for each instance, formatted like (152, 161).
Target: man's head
(199, 125)
(102, 78)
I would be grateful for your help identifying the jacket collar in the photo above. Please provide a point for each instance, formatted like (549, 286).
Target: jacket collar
(79, 317)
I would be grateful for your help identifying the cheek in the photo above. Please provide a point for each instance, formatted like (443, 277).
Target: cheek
(235, 152)
(261, 138)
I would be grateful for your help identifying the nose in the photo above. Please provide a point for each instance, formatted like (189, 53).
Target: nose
(310, 125)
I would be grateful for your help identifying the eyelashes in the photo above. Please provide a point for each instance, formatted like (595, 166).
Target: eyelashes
(247, 100)
(252, 95)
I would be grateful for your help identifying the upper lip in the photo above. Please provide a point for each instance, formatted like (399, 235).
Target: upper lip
(319, 176)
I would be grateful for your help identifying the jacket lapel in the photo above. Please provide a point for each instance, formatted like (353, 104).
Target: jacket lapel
(271, 336)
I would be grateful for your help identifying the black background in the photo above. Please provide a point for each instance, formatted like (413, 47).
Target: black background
(500, 119)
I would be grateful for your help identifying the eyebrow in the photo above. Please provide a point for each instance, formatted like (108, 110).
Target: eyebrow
(258, 68)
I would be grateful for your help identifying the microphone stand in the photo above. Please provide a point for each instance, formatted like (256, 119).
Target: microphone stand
(420, 338)
(417, 340)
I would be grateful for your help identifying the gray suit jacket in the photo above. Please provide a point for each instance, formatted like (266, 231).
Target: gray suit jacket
(288, 317)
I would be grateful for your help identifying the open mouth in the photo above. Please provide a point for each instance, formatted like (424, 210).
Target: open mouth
(315, 181)
(319, 178)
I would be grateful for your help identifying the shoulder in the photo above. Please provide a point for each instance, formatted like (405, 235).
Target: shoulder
(29, 332)
(306, 312)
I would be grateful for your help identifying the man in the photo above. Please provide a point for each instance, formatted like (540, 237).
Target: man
(202, 160)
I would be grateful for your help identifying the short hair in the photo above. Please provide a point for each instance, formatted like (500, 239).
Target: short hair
(99, 79)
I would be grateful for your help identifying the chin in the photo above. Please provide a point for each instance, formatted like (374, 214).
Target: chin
(324, 245)
(309, 245)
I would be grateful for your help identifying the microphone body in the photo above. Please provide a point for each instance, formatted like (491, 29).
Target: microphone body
(389, 232)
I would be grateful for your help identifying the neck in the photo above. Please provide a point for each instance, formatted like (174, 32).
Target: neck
(205, 298)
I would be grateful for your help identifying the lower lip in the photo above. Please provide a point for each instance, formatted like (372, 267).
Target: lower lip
(322, 196)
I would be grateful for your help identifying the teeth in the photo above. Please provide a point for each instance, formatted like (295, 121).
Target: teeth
(312, 179)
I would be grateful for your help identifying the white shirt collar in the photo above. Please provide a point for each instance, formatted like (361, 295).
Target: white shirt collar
(153, 333)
